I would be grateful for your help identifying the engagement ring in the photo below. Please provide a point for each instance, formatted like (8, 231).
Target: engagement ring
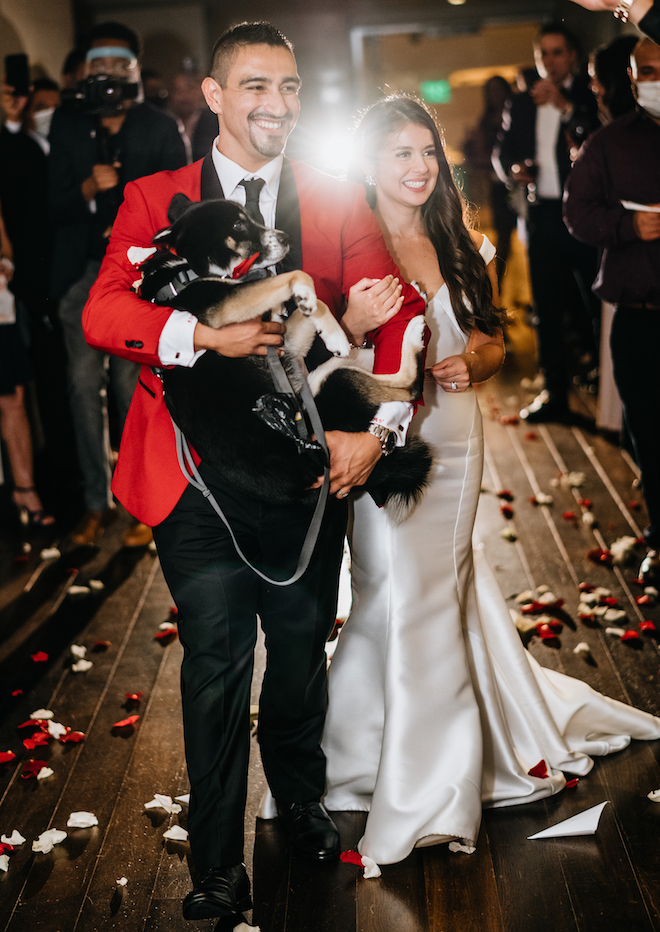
(454, 386)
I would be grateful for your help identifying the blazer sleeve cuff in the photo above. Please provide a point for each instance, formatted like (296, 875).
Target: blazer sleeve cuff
(176, 346)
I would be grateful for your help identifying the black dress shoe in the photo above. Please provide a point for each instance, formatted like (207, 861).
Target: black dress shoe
(544, 408)
(649, 570)
(311, 831)
(220, 892)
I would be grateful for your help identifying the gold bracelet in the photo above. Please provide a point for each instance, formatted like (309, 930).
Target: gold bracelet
(622, 12)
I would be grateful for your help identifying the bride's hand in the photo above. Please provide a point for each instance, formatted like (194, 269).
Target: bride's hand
(371, 303)
(452, 374)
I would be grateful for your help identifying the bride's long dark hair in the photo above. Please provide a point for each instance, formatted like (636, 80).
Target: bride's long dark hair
(444, 213)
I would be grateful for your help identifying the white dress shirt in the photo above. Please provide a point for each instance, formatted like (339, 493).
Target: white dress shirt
(548, 126)
(176, 344)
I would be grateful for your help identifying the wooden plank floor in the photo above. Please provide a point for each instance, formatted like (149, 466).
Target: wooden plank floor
(607, 882)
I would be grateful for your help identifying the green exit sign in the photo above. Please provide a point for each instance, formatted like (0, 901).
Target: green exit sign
(436, 92)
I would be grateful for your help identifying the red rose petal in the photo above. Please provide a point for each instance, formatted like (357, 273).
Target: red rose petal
(571, 784)
(506, 511)
(634, 506)
(351, 857)
(168, 634)
(21, 558)
(101, 646)
(6, 756)
(539, 770)
(511, 419)
(506, 494)
(545, 632)
(174, 610)
(638, 581)
(586, 587)
(600, 556)
(569, 516)
(39, 657)
(610, 600)
(125, 722)
(6, 849)
(31, 768)
(73, 737)
(630, 636)
(647, 626)
(135, 697)
(38, 739)
(531, 435)
(17, 692)
(585, 503)
(643, 599)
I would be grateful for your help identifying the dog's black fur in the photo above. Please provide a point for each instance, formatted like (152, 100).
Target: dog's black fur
(214, 402)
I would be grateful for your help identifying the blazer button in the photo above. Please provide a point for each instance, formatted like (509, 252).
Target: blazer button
(134, 344)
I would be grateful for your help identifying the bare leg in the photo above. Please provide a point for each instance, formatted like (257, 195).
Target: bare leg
(15, 430)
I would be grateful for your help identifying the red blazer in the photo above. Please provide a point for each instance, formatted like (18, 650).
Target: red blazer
(341, 243)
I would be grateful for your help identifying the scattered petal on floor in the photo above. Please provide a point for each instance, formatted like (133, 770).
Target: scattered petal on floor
(457, 847)
(79, 592)
(4, 862)
(176, 833)
(615, 632)
(163, 802)
(96, 585)
(14, 839)
(39, 657)
(82, 820)
(50, 553)
(623, 548)
(78, 651)
(82, 666)
(583, 650)
(183, 799)
(509, 533)
(44, 773)
(45, 842)
(539, 770)
(42, 715)
(654, 796)
(56, 729)
(630, 636)
(122, 882)
(647, 625)
(125, 722)
(37, 740)
(72, 737)
(6, 757)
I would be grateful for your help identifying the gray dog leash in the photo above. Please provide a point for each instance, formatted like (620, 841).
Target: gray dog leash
(190, 471)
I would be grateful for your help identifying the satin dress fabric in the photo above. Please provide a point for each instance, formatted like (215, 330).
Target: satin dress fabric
(436, 709)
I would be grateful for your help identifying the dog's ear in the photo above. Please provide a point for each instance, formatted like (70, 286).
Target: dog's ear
(178, 206)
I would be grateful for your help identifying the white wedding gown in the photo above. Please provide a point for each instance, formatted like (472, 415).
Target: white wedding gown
(435, 707)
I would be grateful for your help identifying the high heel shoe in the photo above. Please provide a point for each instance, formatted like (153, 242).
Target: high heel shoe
(37, 519)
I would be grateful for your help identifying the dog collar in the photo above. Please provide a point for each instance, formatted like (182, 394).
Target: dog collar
(244, 267)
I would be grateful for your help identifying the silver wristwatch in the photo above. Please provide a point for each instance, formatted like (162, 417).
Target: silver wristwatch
(386, 436)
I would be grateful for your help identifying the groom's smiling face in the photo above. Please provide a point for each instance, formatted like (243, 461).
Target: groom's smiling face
(258, 105)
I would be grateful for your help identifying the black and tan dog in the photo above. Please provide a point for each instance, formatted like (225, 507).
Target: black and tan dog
(229, 408)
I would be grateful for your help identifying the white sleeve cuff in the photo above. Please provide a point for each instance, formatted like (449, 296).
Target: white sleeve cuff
(176, 346)
(396, 416)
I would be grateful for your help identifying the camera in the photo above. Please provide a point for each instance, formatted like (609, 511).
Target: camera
(99, 95)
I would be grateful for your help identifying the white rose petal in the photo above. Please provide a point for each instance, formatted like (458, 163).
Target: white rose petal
(47, 840)
(622, 549)
(371, 869)
(176, 833)
(81, 666)
(183, 799)
(4, 862)
(82, 820)
(614, 614)
(654, 796)
(79, 591)
(78, 651)
(42, 714)
(456, 846)
(14, 839)
(163, 802)
(615, 632)
(56, 729)
(96, 585)
(122, 882)
(50, 553)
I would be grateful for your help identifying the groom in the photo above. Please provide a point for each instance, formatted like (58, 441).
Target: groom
(253, 89)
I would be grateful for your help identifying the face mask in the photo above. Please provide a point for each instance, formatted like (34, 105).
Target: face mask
(648, 97)
(42, 121)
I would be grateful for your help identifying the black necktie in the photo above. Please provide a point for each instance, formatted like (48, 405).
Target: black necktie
(252, 192)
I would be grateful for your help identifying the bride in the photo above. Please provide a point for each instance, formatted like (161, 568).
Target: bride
(435, 707)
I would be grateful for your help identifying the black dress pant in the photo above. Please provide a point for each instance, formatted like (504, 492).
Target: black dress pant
(635, 343)
(219, 598)
(562, 271)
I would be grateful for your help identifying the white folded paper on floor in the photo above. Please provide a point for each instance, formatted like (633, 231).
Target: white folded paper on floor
(584, 823)
(176, 833)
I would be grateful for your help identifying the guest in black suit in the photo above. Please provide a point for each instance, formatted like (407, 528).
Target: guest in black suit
(92, 157)
(542, 132)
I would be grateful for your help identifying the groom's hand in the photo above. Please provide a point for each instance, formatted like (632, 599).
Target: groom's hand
(352, 457)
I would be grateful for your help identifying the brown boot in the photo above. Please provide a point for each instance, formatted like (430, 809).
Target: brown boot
(138, 536)
(88, 529)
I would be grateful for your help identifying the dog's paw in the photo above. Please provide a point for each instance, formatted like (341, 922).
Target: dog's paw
(414, 335)
(302, 292)
(336, 341)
